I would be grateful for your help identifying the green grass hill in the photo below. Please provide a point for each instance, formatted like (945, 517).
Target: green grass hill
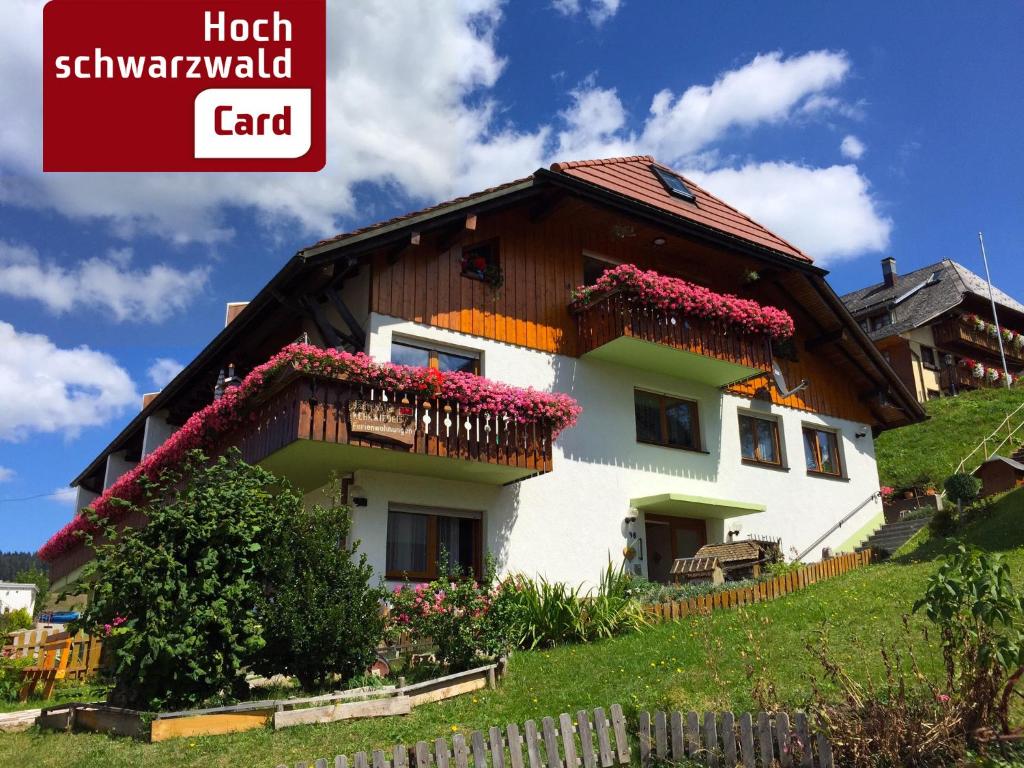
(927, 453)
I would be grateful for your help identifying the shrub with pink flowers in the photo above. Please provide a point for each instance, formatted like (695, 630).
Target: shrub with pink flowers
(679, 296)
(467, 621)
(209, 428)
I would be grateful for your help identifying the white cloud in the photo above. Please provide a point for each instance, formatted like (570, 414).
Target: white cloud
(163, 370)
(827, 212)
(104, 284)
(598, 11)
(407, 105)
(45, 388)
(6, 474)
(767, 90)
(852, 148)
(64, 495)
(412, 107)
(594, 125)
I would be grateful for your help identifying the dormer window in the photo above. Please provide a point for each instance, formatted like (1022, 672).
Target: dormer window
(674, 184)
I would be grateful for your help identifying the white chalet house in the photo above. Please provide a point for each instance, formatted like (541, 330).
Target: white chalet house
(694, 426)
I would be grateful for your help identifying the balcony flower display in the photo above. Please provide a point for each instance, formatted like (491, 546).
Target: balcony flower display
(209, 427)
(1010, 337)
(981, 371)
(675, 295)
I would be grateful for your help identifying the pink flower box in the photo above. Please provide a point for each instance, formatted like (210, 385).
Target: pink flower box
(674, 295)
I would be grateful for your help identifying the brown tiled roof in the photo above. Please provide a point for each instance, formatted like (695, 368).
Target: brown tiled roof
(731, 551)
(633, 177)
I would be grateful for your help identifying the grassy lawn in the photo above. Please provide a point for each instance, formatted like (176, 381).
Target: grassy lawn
(694, 664)
(927, 453)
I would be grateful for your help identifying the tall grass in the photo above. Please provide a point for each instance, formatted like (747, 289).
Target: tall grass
(551, 612)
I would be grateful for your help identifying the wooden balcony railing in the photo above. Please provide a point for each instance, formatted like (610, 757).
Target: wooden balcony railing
(958, 333)
(306, 407)
(964, 379)
(618, 315)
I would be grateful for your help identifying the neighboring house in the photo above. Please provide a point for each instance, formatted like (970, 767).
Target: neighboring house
(15, 596)
(999, 474)
(935, 327)
(685, 434)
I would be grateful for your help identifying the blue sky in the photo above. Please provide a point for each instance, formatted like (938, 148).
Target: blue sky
(855, 130)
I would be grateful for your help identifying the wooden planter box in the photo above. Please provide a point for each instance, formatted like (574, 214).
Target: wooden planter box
(345, 705)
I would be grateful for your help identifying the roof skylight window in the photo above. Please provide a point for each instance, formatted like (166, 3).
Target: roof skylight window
(675, 185)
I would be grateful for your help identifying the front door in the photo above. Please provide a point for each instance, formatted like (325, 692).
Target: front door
(669, 538)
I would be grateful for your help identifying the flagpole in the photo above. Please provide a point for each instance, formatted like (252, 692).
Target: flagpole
(995, 316)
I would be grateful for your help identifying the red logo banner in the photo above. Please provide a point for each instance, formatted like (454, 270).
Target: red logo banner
(184, 85)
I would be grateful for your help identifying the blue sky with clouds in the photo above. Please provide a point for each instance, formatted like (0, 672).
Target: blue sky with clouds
(855, 130)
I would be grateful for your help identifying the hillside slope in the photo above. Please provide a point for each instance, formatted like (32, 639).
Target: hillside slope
(927, 453)
(697, 663)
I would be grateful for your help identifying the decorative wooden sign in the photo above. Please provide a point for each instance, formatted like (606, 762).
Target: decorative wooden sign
(376, 420)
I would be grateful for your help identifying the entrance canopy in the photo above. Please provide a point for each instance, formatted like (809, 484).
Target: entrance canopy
(700, 507)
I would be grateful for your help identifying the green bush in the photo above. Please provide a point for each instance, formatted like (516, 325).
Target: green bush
(549, 613)
(320, 615)
(943, 522)
(176, 598)
(12, 621)
(980, 618)
(962, 488)
(10, 677)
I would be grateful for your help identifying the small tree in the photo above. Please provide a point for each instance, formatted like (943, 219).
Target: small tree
(962, 488)
(321, 615)
(39, 577)
(176, 597)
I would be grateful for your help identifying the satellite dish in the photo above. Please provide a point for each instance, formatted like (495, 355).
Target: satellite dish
(780, 382)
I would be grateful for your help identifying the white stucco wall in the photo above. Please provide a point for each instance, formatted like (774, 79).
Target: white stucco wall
(117, 465)
(14, 596)
(156, 432)
(566, 524)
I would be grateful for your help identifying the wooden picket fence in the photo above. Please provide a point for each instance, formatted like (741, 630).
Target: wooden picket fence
(599, 740)
(86, 651)
(723, 740)
(770, 589)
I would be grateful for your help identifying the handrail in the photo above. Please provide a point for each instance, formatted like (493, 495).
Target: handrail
(984, 443)
(837, 526)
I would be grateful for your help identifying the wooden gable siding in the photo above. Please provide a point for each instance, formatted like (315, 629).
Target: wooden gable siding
(831, 392)
(542, 261)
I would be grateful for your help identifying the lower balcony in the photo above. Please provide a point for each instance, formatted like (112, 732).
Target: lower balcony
(619, 328)
(306, 427)
(961, 334)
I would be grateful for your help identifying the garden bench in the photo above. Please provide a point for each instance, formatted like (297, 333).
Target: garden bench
(52, 666)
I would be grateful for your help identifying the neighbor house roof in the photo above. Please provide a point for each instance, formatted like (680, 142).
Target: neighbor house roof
(922, 295)
(1015, 464)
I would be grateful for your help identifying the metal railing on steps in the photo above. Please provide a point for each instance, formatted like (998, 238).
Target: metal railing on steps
(837, 526)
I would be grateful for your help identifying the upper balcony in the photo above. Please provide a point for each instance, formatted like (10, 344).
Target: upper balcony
(971, 334)
(644, 320)
(307, 426)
